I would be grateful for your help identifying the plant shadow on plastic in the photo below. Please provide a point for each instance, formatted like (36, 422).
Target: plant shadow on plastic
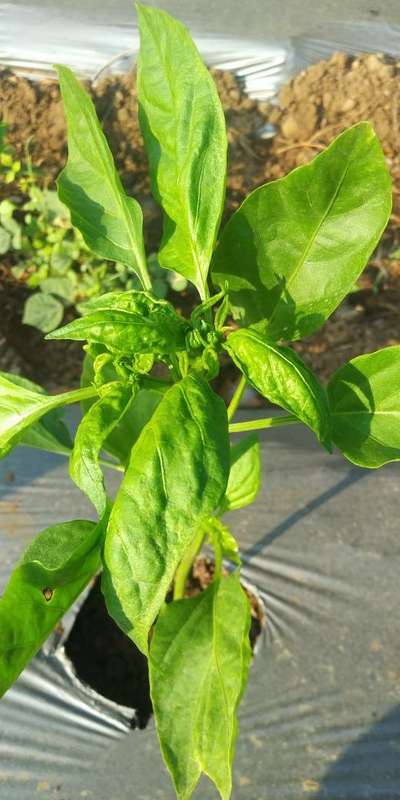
(275, 272)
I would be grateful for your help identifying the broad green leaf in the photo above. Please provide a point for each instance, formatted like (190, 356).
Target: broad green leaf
(364, 397)
(97, 424)
(53, 571)
(43, 311)
(110, 222)
(221, 538)
(5, 241)
(279, 374)
(20, 407)
(62, 287)
(184, 133)
(199, 661)
(244, 476)
(120, 441)
(48, 433)
(177, 474)
(129, 323)
(296, 246)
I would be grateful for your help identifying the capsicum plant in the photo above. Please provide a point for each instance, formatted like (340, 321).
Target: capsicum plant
(274, 273)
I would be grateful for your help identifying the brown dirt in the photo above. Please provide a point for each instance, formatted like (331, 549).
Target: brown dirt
(34, 114)
(312, 109)
(105, 659)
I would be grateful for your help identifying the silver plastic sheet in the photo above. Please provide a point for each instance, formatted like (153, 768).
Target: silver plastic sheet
(321, 716)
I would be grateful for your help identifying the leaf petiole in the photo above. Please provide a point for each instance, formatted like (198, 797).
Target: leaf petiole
(261, 424)
(237, 396)
(184, 568)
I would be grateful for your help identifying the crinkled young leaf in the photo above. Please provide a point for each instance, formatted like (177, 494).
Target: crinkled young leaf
(364, 397)
(296, 246)
(279, 374)
(221, 538)
(120, 441)
(110, 222)
(183, 127)
(245, 474)
(177, 473)
(48, 433)
(97, 424)
(137, 323)
(20, 407)
(53, 571)
(199, 660)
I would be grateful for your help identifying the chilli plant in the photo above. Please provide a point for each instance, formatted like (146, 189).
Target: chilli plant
(279, 268)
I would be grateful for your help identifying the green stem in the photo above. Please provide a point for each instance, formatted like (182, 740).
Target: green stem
(261, 424)
(146, 281)
(218, 561)
(104, 461)
(238, 394)
(111, 465)
(76, 395)
(184, 567)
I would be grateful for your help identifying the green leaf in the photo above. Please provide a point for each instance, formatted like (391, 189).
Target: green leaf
(199, 661)
(110, 222)
(120, 441)
(53, 571)
(43, 311)
(97, 424)
(177, 474)
(221, 538)
(5, 241)
(20, 407)
(364, 397)
(183, 128)
(48, 433)
(296, 246)
(279, 374)
(135, 323)
(62, 287)
(244, 477)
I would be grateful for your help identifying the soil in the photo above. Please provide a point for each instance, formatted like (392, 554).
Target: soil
(105, 659)
(311, 110)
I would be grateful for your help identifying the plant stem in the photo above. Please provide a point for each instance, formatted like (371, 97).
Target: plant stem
(184, 567)
(260, 424)
(238, 394)
(103, 461)
(111, 465)
(218, 561)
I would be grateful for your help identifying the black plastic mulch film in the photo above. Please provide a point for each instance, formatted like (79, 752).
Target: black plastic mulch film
(321, 715)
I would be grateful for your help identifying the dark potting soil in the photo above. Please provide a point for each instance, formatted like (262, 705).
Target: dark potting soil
(111, 664)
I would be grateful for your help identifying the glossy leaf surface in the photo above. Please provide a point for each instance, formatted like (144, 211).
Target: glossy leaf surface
(97, 424)
(296, 246)
(245, 474)
(48, 433)
(121, 439)
(364, 397)
(199, 660)
(137, 323)
(53, 571)
(183, 128)
(177, 474)
(20, 407)
(110, 222)
(279, 374)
